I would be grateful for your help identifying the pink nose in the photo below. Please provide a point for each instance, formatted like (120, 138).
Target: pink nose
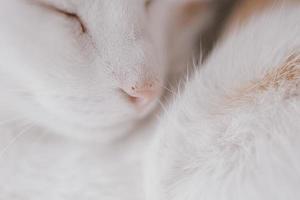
(142, 96)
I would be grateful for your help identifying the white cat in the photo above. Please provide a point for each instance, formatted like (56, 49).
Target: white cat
(75, 75)
(234, 133)
(66, 59)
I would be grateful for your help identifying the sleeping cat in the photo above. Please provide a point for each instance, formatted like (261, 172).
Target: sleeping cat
(59, 58)
(80, 82)
(234, 133)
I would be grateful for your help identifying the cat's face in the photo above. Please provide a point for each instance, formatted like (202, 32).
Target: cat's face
(88, 67)
(84, 66)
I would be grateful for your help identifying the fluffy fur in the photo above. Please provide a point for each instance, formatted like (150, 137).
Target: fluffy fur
(233, 134)
(49, 65)
(65, 68)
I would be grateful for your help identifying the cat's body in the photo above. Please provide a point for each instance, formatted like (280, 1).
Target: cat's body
(234, 133)
(79, 84)
(40, 165)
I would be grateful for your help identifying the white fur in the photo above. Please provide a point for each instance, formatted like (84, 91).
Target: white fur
(49, 66)
(210, 148)
(60, 98)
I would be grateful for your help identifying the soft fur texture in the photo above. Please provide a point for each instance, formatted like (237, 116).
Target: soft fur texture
(234, 133)
(49, 65)
(68, 130)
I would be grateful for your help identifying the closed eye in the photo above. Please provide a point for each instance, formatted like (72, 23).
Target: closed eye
(70, 15)
(63, 12)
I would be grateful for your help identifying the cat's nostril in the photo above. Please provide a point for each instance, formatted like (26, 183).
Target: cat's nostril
(141, 96)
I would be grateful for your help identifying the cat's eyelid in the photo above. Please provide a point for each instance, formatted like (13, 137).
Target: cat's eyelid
(69, 14)
(61, 11)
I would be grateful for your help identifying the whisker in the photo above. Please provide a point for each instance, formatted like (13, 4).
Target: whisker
(169, 90)
(162, 105)
(14, 140)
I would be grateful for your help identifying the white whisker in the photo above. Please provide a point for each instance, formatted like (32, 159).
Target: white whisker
(169, 90)
(14, 140)
(162, 105)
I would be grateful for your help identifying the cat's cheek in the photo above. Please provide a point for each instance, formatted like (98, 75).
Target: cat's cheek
(92, 112)
(84, 121)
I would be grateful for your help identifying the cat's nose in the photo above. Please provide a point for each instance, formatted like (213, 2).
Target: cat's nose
(142, 95)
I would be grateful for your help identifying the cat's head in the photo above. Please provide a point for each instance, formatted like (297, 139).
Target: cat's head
(82, 67)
